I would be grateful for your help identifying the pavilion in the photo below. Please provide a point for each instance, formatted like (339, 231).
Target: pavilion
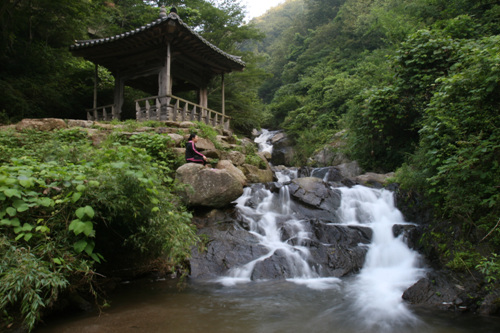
(160, 58)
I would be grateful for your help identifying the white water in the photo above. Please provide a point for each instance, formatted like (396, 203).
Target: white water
(263, 141)
(390, 266)
(271, 214)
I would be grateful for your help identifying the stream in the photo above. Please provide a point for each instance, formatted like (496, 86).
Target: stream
(306, 300)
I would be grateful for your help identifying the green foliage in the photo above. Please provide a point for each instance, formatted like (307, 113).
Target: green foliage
(63, 214)
(490, 267)
(27, 281)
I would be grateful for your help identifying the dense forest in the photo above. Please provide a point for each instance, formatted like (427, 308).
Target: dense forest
(413, 86)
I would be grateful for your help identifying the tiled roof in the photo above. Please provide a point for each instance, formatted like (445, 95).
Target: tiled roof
(84, 44)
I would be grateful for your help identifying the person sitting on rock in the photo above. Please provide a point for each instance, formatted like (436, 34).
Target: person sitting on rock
(192, 154)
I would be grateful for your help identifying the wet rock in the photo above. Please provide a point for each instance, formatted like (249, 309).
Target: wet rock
(315, 198)
(226, 247)
(338, 249)
(491, 304)
(410, 233)
(283, 153)
(444, 290)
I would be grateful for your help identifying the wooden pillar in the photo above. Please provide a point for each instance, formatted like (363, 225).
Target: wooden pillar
(164, 77)
(96, 78)
(118, 96)
(203, 97)
(223, 96)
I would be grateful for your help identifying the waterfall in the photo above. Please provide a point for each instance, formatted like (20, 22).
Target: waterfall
(263, 141)
(390, 266)
(267, 218)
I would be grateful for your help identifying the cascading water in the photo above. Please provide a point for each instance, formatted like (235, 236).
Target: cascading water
(263, 141)
(390, 266)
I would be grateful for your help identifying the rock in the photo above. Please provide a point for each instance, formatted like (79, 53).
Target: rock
(283, 152)
(328, 174)
(204, 144)
(257, 175)
(80, 123)
(349, 170)
(227, 247)
(177, 138)
(491, 304)
(234, 171)
(376, 180)
(214, 153)
(179, 152)
(234, 156)
(437, 290)
(107, 126)
(226, 139)
(186, 124)
(317, 198)
(337, 248)
(256, 133)
(411, 234)
(207, 187)
(42, 124)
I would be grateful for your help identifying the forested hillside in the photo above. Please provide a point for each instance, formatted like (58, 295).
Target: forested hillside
(416, 86)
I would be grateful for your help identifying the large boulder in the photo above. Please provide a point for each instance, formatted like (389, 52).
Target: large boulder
(208, 187)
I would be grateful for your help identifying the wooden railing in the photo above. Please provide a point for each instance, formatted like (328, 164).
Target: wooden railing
(173, 108)
(104, 113)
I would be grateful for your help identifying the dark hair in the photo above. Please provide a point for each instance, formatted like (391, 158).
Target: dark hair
(191, 136)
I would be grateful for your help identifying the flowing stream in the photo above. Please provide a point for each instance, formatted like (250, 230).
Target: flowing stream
(306, 301)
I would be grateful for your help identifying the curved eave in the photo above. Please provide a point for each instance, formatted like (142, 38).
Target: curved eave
(150, 36)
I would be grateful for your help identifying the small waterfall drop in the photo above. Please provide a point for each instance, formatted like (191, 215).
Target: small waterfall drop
(263, 141)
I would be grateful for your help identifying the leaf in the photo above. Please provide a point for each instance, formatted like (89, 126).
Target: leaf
(46, 202)
(90, 247)
(20, 206)
(86, 211)
(27, 183)
(76, 196)
(12, 192)
(57, 261)
(80, 188)
(28, 236)
(80, 245)
(11, 211)
(43, 229)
